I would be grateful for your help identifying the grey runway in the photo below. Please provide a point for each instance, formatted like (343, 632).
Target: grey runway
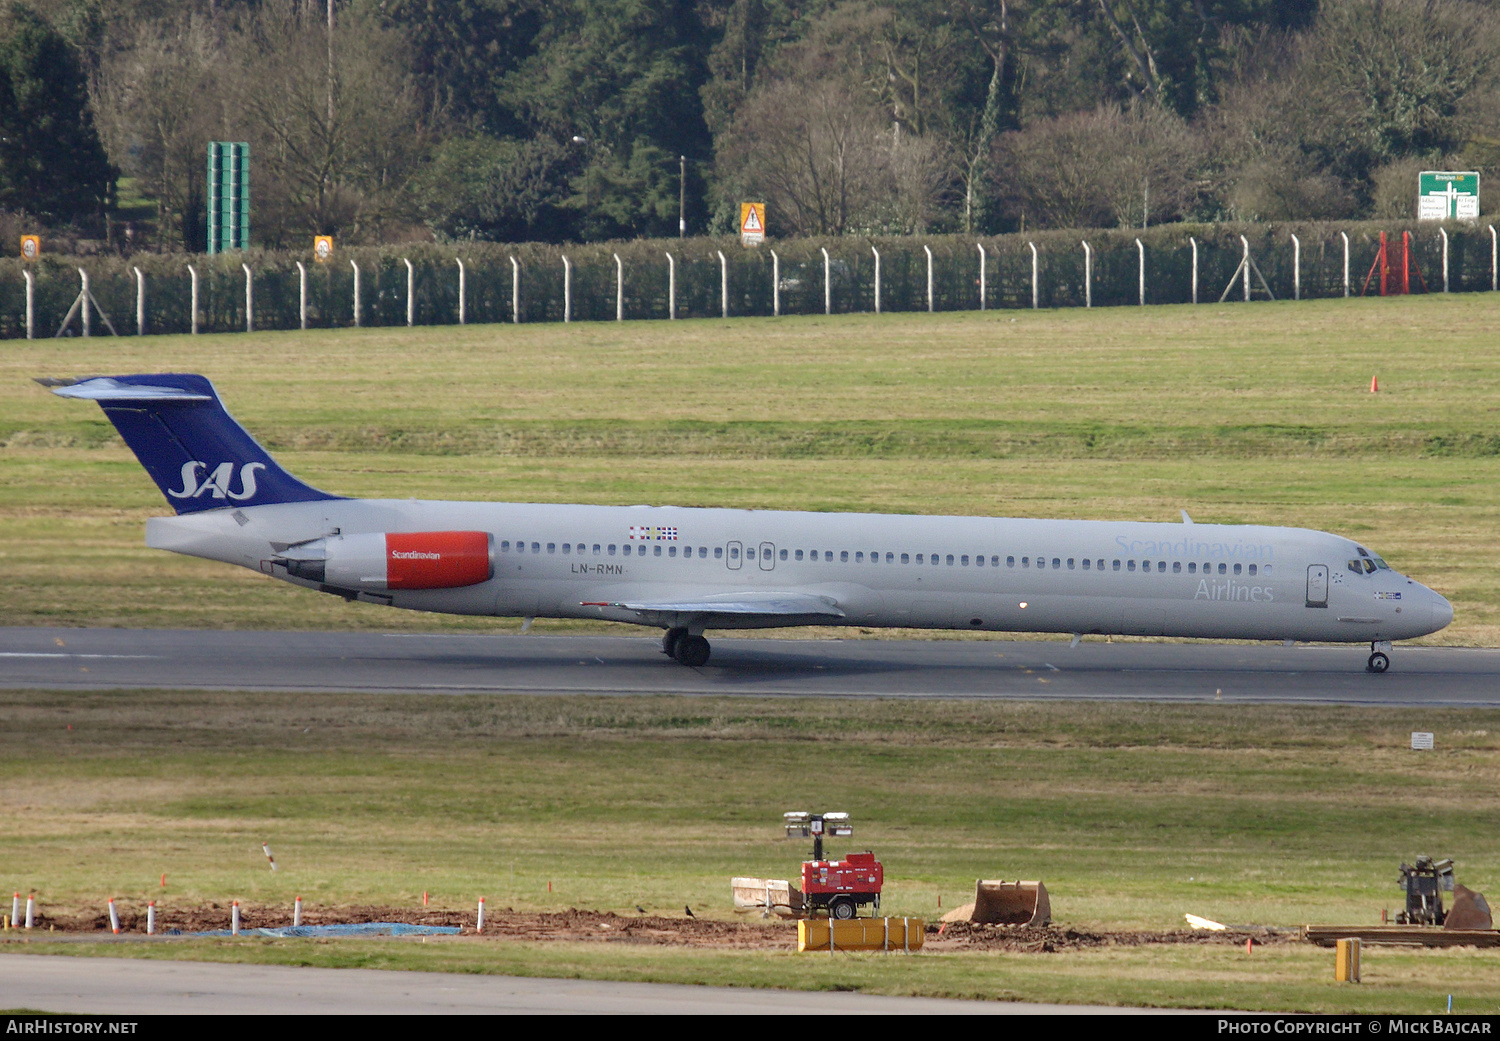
(116, 659)
(127, 987)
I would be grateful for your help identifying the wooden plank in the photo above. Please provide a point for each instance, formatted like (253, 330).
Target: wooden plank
(1402, 935)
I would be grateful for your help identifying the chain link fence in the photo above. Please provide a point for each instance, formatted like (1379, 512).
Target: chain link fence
(707, 278)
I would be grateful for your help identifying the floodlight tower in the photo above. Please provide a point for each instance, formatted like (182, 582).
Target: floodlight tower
(799, 823)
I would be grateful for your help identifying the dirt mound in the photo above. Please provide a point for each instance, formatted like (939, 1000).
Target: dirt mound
(575, 925)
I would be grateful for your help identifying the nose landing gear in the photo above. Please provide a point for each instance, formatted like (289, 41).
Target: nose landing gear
(1380, 658)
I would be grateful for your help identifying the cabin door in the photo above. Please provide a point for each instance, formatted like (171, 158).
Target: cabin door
(1317, 585)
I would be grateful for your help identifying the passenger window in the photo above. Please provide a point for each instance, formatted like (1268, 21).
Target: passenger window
(1236, 569)
(536, 547)
(671, 551)
(844, 557)
(1193, 567)
(1223, 568)
(1056, 564)
(567, 548)
(1100, 565)
(597, 548)
(798, 554)
(1251, 569)
(919, 558)
(890, 558)
(950, 559)
(611, 549)
(964, 560)
(1117, 565)
(1086, 563)
(718, 552)
(734, 553)
(505, 546)
(1010, 561)
(1130, 565)
(994, 561)
(859, 557)
(1070, 563)
(1176, 567)
(783, 554)
(1266, 570)
(906, 558)
(1025, 561)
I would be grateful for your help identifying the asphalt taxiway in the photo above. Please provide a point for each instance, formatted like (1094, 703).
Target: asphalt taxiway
(120, 659)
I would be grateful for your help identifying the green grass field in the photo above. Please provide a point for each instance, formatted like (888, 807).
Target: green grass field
(1238, 413)
(1133, 815)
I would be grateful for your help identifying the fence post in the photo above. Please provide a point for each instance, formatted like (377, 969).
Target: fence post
(567, 289)
(302, 294)
(411, 293)
(1195, 267)
(140, 302)
(929, 276)
(1088, 275)
(84, 295)
(1345, 236)
(827, 284)
(515, 291)
(1036, 296)
(619, 289)
(1296, 268)
(983, 264)
(671, 287)
(1494, 261)
(31, 305)
(249, 299)
(463, 289)
(1141, 249)
(1444, 232)
(356, 293)
(877, 278)
(1245, 263)
(194, 273)
(775, 284)
(723, 284)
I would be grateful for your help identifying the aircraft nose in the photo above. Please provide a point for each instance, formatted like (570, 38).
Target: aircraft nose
(1442, 611)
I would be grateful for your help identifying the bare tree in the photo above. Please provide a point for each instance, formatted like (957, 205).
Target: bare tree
(334, 118)
(159, 99)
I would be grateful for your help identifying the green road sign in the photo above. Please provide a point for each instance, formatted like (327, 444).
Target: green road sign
(228, 196)
(1447, 195)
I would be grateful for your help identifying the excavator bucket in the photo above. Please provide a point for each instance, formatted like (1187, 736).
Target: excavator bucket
(1470, 910)
(1010, 903)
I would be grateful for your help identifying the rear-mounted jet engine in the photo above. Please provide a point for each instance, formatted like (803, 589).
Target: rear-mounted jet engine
(394, 560)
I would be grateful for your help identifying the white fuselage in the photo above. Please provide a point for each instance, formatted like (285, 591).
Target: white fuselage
(1012, 575)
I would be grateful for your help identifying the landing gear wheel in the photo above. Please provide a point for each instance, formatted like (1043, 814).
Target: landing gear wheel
(842, 909)
(692, 650)
(1378, 662)
(670, 640)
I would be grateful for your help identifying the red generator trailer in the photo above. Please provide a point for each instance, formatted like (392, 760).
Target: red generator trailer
(840, 887)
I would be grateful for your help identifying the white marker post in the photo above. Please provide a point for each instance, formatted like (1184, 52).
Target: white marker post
(140, 302)
(1036, 293)
(234, 919)
(1195, 267)
(193, 272)
(1141, 249)
(671, 286)
(1088, 275)
(411, 293)
(723, 284)
(877, 278)
(266, 846)
(114, 918)
(567, 289)
(479, 926)
(249, 299)
(151, 918)
(775, 284)
(515, 291)
(302, 293)
(1296, 268)
(983, 264)
(30, 910)
(1345, 236)
(297, 911)
(619, 289)
(356, 293)
(15, 910)
(462, 292)
(31, 305)
(827, 283)
(928, 250)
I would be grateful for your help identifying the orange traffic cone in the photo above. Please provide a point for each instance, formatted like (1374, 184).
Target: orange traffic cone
(1374, 385)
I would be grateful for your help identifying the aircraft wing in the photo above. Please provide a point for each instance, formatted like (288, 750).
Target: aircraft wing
(757, 603)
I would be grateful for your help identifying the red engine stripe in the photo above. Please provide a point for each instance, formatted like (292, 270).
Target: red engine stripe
(436, 559)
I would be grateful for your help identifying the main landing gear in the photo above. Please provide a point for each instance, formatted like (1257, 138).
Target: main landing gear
(1380, 657)
(685, 647)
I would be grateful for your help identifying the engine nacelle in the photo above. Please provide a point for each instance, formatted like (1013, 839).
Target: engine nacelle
(395, 560)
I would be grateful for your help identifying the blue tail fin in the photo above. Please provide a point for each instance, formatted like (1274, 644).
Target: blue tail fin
(199, 457)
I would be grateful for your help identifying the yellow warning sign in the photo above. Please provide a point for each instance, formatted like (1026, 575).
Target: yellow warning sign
(752, 223)
(322, 247)
(31, 247)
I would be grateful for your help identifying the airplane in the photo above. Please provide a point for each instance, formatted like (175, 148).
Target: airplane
(689, 570)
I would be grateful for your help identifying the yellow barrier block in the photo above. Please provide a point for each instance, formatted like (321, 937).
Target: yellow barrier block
(861, 934)
(1346, 961)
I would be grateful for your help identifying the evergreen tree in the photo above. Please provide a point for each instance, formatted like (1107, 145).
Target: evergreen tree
(51, 162)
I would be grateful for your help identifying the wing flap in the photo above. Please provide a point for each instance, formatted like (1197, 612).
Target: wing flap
(756, 603)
